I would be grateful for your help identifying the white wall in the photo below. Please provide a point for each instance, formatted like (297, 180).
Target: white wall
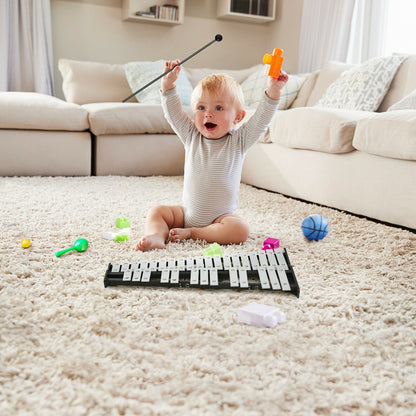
(93, 30)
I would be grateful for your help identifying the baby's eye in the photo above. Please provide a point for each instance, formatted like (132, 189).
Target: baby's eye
(218, 108)
(201, 107)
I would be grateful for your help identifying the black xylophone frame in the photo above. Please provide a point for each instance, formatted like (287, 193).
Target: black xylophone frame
(267, 270)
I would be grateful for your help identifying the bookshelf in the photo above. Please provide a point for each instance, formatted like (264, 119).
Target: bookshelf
(250, 11)
(168, 12)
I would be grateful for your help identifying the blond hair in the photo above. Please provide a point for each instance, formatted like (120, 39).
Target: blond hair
(214, 84)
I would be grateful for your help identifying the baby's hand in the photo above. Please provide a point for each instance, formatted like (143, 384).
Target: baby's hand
(275, 85)
(168, 81)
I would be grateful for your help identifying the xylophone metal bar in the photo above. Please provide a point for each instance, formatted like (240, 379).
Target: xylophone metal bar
(267, 270)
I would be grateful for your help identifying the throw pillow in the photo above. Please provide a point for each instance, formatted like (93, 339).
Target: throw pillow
(254, 86)
(93, 82)
(406, 103)
(140, 73)
(362, 87)
(329, 73)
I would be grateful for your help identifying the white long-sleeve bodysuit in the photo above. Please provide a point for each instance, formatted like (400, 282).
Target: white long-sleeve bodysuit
(213, 166)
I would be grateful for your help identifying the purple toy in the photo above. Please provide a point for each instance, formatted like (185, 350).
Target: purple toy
(270, 243)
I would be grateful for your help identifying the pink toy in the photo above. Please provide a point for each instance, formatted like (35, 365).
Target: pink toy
(270, 243)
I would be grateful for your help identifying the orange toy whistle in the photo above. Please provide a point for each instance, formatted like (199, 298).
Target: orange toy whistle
(274, 62)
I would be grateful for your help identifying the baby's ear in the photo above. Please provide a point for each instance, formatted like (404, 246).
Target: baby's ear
(239, 116)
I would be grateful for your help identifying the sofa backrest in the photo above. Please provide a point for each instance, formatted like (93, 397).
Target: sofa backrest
(316, 84)
(94, 82)
(240, 75)
(403, 83)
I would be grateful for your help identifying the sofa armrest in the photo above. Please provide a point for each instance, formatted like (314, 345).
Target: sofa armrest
(35, 111)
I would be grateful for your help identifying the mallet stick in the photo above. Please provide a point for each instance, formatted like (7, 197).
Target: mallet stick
(218, 38)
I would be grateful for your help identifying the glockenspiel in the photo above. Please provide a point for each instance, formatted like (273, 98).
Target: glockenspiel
(266, 270)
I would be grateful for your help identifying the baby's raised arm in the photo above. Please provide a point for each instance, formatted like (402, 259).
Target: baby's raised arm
(168, 81)
(275, 85)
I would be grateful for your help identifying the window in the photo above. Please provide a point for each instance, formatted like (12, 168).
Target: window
(401, 27)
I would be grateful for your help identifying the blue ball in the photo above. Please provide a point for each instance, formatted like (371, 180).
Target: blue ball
(315, 227)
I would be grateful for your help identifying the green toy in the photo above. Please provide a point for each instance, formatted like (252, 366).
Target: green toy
(213, 249)
(123, 224)
(80, 245)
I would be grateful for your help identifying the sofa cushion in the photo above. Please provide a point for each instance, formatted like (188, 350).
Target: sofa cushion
(254, 86)
(323, 129)
(93, 82)
(362, 87)
(30, 110)
(404, 82)
(134, 118)
(326, 76)
(406, 103)
(240, 75)
(390, 134)
(141, 73)
(127, 118)
(308, 85)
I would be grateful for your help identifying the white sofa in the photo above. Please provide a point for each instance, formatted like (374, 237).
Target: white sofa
(363, 162)
(358, 161)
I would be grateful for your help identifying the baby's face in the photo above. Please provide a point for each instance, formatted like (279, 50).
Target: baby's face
(216, 114)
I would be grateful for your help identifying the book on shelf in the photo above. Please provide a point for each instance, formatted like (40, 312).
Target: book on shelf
(166, 12)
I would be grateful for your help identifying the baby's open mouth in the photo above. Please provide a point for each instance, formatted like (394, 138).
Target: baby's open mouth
(210, 126)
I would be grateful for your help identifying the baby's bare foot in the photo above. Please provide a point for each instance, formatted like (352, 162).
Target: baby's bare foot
(179, 234)
(150, 242)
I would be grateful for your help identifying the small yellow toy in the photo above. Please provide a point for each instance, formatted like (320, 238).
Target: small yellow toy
(25, 243)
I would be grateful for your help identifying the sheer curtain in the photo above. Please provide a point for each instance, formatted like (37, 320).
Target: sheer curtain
(369, 28)
(341, 30)
(325, 32)
(26, 62)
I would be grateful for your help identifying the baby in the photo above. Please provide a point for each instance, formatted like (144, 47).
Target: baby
(214, 155)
